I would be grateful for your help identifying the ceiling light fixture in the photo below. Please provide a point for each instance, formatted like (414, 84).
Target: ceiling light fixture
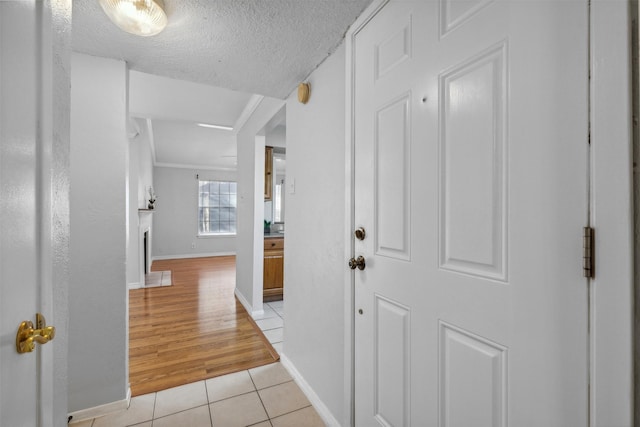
(139, 17)
(207, 125)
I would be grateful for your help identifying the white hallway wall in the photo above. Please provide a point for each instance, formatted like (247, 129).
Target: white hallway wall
(140, 179)
(98, 297)
(133, 245)
(144, 165)
(250, 237)
(314, 267)
(175, 218)
(277, 137)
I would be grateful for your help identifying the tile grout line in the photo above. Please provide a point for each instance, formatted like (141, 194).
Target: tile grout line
(295, 410)
(276, 385)
(233, 397)
(155, 400)
(260, 422)
(260, 397)
(175, 413)
(206, 391)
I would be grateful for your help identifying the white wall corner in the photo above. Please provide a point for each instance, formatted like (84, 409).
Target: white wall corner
(314, 399)
(101, 410)
(245, 303)
(258, 222)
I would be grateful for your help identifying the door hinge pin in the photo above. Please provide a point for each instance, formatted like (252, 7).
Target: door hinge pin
(588, 252)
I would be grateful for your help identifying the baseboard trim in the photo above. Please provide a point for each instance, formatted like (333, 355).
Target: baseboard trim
(199, 255)
(317, 403)
(135, 285)
(102, 410)
(245, 303)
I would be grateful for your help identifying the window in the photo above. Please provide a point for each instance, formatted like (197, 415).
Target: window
(277, 202)
(217, 203)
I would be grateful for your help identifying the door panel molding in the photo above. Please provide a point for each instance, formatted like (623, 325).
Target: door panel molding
(392, 344)
(453, 16)
(473, 99)
(393, 51)
(393, 184)
(472, 369)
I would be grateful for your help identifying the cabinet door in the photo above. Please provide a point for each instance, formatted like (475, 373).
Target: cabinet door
(273, 272)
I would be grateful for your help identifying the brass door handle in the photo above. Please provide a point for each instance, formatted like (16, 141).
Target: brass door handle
(357, 263)
(28, 335)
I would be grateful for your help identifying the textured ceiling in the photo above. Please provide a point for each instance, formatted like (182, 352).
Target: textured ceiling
(254, 46)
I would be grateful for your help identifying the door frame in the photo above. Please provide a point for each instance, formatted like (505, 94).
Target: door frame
(611, 206)
(56, 132)
(611, 211)
(51, 26)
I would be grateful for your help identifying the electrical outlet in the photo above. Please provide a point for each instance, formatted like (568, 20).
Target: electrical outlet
(193, 245)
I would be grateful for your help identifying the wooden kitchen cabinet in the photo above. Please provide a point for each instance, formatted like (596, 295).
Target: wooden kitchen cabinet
(268, 172)
(273, 268)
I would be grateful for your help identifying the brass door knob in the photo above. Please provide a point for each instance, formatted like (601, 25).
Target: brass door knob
(360, 233)
(28, 336)
(357, 263)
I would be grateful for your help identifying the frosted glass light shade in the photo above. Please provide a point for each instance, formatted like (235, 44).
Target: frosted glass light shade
(139, 17)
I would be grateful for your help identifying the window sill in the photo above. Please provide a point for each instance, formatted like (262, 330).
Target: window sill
(213, 236)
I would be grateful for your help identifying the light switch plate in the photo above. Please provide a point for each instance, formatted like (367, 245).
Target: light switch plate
(291, 184)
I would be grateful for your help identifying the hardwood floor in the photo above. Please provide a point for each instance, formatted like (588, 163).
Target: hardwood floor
(193, 330)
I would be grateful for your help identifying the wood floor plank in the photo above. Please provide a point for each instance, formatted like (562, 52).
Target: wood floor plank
(193, 330)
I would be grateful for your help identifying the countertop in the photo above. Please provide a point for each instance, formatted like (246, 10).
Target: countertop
(274, 235)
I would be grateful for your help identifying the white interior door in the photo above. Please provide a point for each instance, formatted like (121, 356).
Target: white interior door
(34, 91)
(471, 147)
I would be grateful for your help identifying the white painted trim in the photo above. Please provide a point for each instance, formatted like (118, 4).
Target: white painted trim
(216, 236)
(349, 276)
(317, 403)
(611, 292)
(195, 167)
(152, 144)
(198, 255)
(257, 313)
(102, 410)
(248, 111)
(258, 218)
(246, 305)
(135, 285)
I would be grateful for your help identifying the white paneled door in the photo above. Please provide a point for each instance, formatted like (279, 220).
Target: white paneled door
(471, 178)
(34, 142)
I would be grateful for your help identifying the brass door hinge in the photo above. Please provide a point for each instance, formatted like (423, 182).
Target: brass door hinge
(588, 252)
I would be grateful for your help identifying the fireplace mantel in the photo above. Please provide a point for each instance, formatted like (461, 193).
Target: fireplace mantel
(145, 226)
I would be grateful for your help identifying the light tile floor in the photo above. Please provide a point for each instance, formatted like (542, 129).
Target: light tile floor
(260, 397)
(272, 323)
(157, 278)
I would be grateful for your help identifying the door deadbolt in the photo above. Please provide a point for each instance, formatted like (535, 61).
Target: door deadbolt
(357, 263)
(360, 233)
